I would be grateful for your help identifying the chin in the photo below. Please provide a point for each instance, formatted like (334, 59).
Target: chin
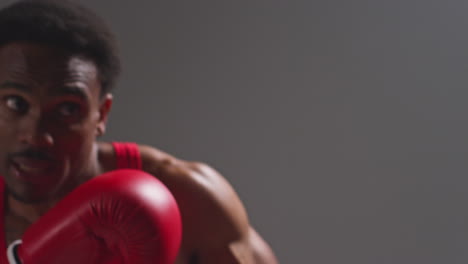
(28, 198)
(28, 194)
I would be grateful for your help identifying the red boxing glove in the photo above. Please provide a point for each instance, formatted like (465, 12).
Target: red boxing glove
(124, 216)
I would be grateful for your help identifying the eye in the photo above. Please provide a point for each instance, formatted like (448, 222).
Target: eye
(69, 109)
(16, 103)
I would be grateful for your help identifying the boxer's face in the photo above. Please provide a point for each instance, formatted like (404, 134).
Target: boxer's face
(50, 114)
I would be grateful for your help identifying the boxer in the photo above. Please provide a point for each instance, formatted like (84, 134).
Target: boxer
(58, 65)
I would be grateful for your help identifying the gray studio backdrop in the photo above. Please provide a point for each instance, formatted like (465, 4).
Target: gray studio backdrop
(342, 124)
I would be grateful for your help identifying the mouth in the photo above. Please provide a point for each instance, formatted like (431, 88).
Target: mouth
(30, 169)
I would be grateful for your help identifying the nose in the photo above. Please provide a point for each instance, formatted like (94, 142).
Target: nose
(33, 132)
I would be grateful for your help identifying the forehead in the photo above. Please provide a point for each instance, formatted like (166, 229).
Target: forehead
(45, 66)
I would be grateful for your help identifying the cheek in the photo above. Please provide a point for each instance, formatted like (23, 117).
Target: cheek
(9, 129)
(8, 141)
(75, 140)
(8, 120)
(73, 149)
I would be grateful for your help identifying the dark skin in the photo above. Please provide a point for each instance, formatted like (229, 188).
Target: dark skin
(51, 112)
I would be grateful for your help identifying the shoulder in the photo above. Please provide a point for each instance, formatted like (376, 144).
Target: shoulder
(216, 228)
(211, 210)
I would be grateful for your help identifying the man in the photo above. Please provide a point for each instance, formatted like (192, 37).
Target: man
(58, 64)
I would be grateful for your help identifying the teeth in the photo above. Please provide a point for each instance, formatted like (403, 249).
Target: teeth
(30, 169)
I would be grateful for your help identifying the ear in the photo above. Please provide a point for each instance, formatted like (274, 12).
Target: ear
(104, 109)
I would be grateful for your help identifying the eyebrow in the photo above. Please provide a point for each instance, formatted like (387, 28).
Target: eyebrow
(74, 91)
(19, 86)
(66, 90)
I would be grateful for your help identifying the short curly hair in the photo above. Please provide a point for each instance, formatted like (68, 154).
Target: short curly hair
(65, 24)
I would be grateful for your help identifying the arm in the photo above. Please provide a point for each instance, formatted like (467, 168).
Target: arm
(251, 249)
(215, 223)
(229, 237)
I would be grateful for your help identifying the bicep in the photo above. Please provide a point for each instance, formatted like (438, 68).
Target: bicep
(233, 253)
(251, 249)
(261, 251)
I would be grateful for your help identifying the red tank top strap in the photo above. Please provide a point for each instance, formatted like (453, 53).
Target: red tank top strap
(3, 256)
(127, 155)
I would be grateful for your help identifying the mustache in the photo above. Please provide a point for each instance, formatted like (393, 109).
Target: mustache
(32, 154)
